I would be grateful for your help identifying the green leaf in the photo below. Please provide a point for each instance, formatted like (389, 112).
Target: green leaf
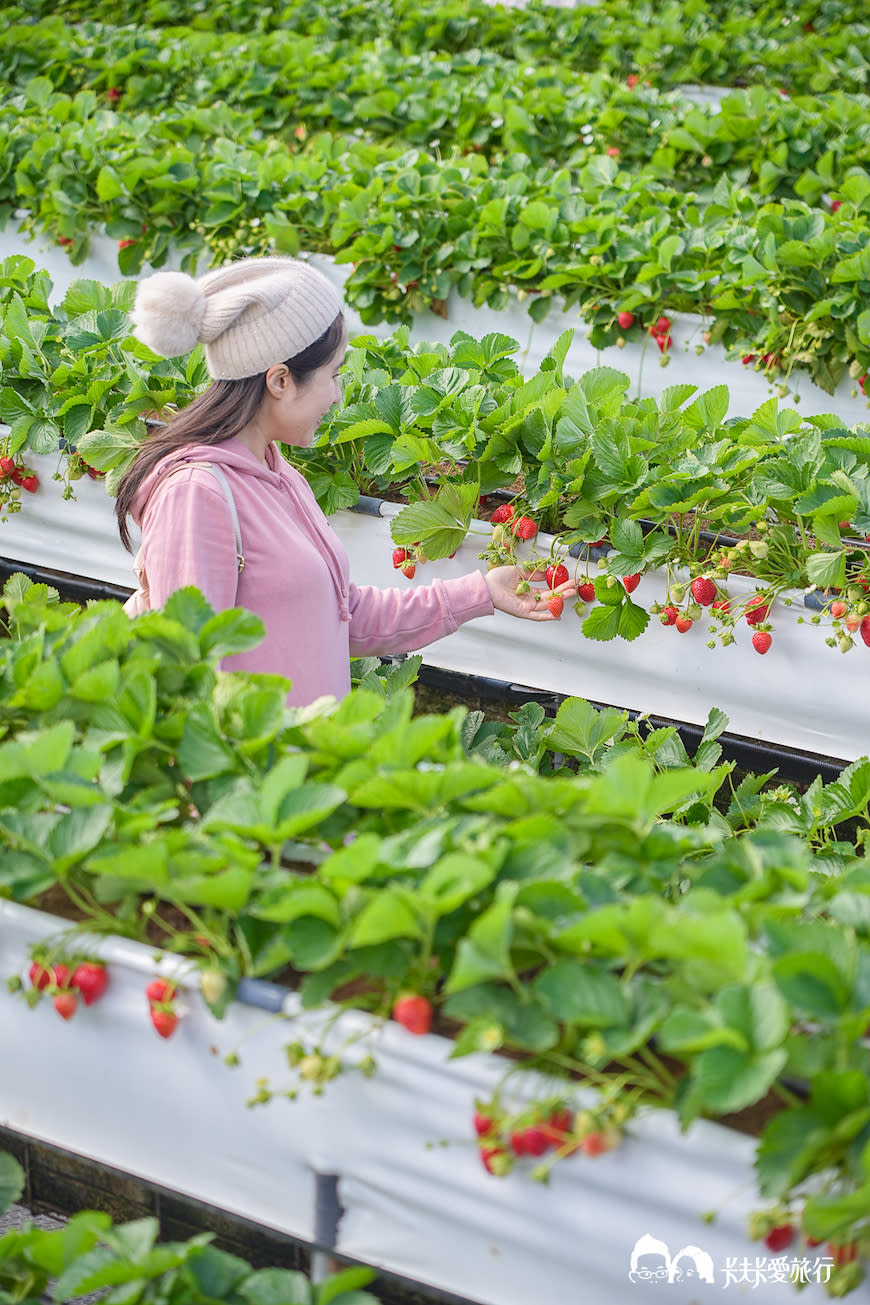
(453, 880)
(579, 993)
(729, 1080)
(391, 914)
(440, 524)
(11, 1181)
(276, 1287)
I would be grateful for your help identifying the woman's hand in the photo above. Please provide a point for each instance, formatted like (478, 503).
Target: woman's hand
(502, 583)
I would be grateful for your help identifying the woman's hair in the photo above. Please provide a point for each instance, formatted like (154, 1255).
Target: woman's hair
(217, 415)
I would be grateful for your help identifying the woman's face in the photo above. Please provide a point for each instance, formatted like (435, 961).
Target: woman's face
(304, 406)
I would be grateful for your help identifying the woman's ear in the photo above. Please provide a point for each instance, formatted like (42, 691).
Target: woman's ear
(279, 382)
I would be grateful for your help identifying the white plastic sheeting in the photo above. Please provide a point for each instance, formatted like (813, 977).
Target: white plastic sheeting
(640, 361)
(104, 1085)
(77, 536)
(801, 694)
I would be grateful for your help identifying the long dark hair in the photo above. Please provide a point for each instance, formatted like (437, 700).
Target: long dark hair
(217, 415)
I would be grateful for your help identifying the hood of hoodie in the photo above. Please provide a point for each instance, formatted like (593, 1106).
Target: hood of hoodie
(233, 455)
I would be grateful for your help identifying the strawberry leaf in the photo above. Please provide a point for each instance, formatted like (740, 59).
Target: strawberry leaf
(602, 623)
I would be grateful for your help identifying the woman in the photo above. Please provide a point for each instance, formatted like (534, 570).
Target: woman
(275, 340)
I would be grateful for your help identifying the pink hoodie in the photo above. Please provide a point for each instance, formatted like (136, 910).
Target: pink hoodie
(296, 573)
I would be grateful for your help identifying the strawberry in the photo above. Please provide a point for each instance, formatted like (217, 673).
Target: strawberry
(7, 466)
(91, 979)
(518, 1142)
(839, 609)
(761, 641)
(586, 591)
(594, 1144)
(409, 570)
(30, 483)
(559, 1124)
(683, 623)
(669, 615)
(501, 514)
(525, 528)
(631, 582)
(721, 605)
(865, 629)
(483, 1124)
(747, 359)
(663, 342)
(496, 1160)
(862, 380)
(757, 609)
(65, 240)
(556, 575)
(94, 474)
(625, 321)
(779, 1237)
(843, 1254)
(42, 976)
(631, 81)
(612, 151)
(113, 94)
(853, 622)
(703, 590)
(835, 204)
(17, 475)
(165, 1020)
(413, 1012)
(662, 326)
(65, 1004)
(400, 555)
(160, 990)
(556, 604)
(125, 244)
(536, 1141)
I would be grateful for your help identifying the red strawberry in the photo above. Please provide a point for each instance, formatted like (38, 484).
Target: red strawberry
(747, 359)
(835, 204)
(662, 326)
(125, 244)
(413, 1012)
(683, 623)
(853, 622)
(631, 582)
(65, 1004)
(625, 321)
(7, 466)
(761, 641)
(65, 240)
(779, 1238)
(91, 980)
(483, 1124)
(757, 609)
(165, 1020)
(113, 94)
(160, 990)
(631, 81)
(30, 483)
(586, 591)
(865, 629)
(839, 609)
(42, 976)
(525, 528)
(703, 590)
(669, 615)
(663, 342)
(556, 575)
(560, 1122)
(501, 514)
(400, 555)
(594, 1144)
(722, 605)
(843, 1254)
(409, 570)
(536, 1141)
(861, 383)
(17, 475)
(518, 1142)
(612, 151)
(556, 604)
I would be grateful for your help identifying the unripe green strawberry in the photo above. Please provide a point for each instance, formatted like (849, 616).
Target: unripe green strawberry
(678, 592)
(213, 985)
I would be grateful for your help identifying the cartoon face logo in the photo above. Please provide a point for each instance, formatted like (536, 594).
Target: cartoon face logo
(651, 1262)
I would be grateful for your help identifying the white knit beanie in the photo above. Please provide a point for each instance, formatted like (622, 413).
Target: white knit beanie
(249, 315)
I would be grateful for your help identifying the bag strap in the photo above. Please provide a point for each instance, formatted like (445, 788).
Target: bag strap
(231, 504)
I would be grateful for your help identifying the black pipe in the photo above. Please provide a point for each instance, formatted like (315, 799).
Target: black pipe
(74, 587)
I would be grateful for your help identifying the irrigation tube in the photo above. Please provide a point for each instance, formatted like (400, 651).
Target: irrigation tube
(395, 1151)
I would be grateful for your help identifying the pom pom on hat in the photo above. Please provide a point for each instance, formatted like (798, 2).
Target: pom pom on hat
(168, 313)
(249, 314)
